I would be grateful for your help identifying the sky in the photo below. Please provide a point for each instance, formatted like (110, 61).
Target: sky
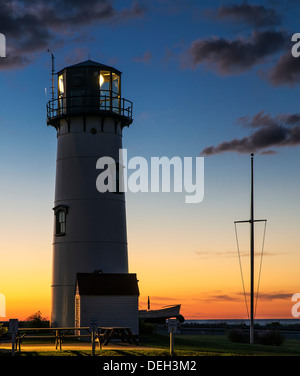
(207, 79)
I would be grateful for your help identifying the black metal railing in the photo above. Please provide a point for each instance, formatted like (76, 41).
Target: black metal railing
(105, 101)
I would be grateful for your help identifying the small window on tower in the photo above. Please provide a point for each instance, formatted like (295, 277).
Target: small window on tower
(60, 212)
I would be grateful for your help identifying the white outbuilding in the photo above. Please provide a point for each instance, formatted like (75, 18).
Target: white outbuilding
(110, 299)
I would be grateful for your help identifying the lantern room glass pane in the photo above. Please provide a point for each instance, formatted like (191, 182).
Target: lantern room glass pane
(105, 88)
(104, 80)
(61, 92)
(116, 92)
(116, 83)
(61, 89)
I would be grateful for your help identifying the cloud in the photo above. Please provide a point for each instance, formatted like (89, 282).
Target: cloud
(159, 301)
(275, 296)
(239, 296)
(236, 56)
(265, 120)
(253, 15)
(37, 25)
(14, 61)
(286, 71)
(213, 254)
(78, 54)
(268, 152)
(282, 130)
(219, 297)
(143, 59)
(163, 298)
(269, 296)
(223, 297)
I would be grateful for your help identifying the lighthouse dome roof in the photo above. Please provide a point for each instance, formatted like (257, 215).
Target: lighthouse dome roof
(91, 63)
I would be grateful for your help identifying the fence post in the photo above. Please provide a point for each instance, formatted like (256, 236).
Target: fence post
(13, 328)
(93, 329)
(93, 343)
(172, 342)
(172, 328)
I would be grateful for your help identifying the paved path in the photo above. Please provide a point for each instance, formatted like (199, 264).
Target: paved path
(73, 346)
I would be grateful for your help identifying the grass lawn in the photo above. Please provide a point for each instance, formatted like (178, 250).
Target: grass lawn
(187, 345)
(220, 345)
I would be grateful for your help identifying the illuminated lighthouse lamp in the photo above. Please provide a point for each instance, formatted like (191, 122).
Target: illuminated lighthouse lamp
(89, 91)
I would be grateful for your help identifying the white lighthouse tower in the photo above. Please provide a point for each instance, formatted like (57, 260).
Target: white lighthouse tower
(89, 116)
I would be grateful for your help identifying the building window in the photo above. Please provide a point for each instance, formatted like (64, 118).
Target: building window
(60, 212)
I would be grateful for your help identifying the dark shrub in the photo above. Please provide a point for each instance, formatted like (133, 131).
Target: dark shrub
(238, 335)
(3, 330)
(265, 337)
(271, 338)
(146, 328)
(37, 321)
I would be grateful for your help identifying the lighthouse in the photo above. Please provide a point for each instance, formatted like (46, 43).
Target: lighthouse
(89, 115)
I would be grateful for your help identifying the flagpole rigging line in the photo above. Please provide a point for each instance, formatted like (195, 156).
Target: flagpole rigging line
(260, 267)
(240, 263)
(241, 269)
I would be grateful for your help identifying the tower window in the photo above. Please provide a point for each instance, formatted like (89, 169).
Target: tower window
(60, 212)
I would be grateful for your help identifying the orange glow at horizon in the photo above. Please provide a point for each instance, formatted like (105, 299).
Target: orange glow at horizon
(171, 269)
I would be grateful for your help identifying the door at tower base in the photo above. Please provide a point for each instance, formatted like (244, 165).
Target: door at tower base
(109, 299)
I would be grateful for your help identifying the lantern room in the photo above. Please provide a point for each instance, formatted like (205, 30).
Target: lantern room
(89, 88)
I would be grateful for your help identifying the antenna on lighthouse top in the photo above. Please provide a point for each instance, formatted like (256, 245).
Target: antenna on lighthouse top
(52, 75)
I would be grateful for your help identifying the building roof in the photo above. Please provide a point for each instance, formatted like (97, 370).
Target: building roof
(91, 63)
(98, 283)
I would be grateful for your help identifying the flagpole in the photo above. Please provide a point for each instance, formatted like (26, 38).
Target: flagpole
(252, 257)
(251, 221)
